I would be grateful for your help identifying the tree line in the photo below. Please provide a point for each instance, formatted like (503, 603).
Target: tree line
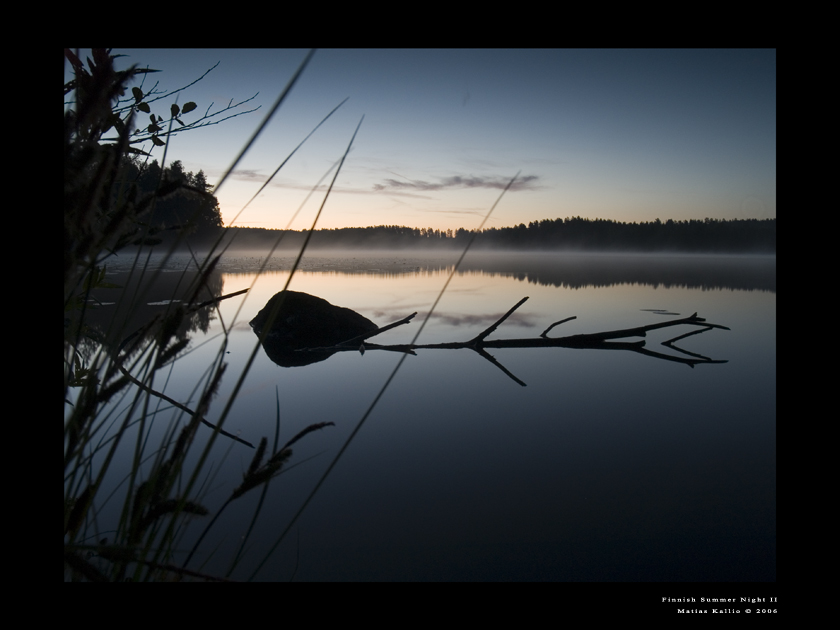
(201, 216)
(189, 207)
(575, 233)
(707, 235)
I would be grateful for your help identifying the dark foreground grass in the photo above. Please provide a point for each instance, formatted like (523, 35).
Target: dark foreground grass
(115, 378)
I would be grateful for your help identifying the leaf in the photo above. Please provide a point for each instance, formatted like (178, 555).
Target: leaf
(175, 110)
(138, 94)
(153, 129)
(157, 141)
(144, 107)
(188, 107)
(136, 151)
(179, 122)
(109, 122)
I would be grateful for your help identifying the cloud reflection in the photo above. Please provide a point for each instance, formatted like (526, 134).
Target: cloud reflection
(527, 182)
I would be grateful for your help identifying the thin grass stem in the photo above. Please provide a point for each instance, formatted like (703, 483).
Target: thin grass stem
(381, 391)
(257, 346)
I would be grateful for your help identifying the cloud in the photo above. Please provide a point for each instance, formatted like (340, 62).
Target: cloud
(480, 213)
(485, 320)
(349, 191)
(516, 319)
(407, 188)
(527, 182)
(248, 175)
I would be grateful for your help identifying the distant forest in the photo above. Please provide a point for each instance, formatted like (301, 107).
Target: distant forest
(570, 234)
(202, 216)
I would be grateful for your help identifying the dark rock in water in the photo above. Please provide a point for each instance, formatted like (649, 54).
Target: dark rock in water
(305, 321)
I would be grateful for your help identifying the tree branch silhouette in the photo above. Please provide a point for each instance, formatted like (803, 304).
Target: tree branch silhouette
(593, 341)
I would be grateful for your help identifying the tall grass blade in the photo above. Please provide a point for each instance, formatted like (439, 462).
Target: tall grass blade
(266, 120)
(263, 494)
(382, 390)
(257, 346)
(288, 157)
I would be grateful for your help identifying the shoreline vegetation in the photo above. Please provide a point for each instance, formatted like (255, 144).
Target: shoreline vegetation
(140, 459)
(720, 236)
(116, 451)
(184, 219)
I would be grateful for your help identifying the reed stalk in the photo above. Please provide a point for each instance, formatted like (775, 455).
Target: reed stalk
(115, 392)
(161, 492)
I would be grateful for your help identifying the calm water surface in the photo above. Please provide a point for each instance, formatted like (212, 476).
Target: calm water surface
(606, 466)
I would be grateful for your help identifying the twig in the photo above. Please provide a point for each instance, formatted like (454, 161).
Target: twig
(594, 341)
(562, 321)
(381, 391)
(172, 401)
(219, 299)
(688, 334)
(378, 331)
(493, 360)
(480, 338)
(670, 344)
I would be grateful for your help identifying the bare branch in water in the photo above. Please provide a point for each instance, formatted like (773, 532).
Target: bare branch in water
(593, 341)
(174, 402)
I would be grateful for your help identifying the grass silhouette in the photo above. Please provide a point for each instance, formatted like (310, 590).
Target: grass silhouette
(115, 379)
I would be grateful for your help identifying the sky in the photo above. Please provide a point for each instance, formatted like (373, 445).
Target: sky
(627, 135)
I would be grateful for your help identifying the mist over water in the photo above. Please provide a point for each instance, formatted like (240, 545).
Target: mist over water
(560, 269)
(608, 465)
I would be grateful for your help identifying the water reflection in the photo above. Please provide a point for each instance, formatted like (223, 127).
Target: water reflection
(608, 466)
(601, 270)
(572, 270)
(122, 313)
(299, 329)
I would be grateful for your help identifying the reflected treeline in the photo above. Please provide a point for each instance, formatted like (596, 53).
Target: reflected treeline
(568, 270)
(116, 313)
(751, 273)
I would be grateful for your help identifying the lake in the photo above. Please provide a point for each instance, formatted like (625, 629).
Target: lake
(607, 465)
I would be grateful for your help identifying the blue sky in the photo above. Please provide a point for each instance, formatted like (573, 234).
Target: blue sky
(628, 135)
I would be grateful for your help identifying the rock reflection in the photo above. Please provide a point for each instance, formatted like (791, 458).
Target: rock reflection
(292, 321)
(299, 329)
